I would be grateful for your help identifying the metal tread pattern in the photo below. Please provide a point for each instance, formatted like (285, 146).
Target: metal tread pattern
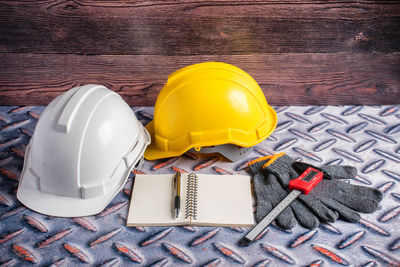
(366, 137)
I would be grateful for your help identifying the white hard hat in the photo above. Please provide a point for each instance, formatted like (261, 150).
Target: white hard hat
(82, 151)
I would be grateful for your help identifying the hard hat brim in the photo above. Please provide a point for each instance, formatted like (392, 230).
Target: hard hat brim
(57, 205)
(60, 206)
(152, 152)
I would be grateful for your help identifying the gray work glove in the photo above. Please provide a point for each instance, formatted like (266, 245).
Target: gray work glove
(331, 197)
(269, 192)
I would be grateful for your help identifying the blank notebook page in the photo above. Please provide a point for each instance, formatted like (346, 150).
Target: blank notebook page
(151, 202)
(224, 200)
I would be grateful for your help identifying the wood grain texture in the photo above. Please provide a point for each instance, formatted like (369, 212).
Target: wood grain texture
(197, 27)
(301, 79)
(300, 52)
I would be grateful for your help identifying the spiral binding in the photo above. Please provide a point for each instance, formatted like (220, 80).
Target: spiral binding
(191, 199)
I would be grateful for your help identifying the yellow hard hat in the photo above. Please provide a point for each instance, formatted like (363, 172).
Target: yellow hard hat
(208, 104)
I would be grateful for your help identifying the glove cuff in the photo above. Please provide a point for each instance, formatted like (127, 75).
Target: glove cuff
(279, 164)
(255, 165)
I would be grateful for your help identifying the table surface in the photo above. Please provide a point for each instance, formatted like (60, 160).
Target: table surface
(366, 137)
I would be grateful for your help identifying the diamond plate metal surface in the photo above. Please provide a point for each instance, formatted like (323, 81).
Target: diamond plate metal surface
(366, 137)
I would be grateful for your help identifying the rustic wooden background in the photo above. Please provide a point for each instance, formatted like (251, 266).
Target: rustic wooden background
(299, 51)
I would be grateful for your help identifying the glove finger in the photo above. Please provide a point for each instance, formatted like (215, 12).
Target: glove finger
(286, 219)
(345, 213)
(319, 209)
(358, 203)
(304, 216)
(340, 172)
(367, 192)
(269, 193)
(263, 208)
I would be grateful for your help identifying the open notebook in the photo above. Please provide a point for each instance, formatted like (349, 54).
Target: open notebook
(207, 200)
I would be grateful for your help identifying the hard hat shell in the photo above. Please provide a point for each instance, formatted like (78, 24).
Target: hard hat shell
(83, 148)
(208, 104)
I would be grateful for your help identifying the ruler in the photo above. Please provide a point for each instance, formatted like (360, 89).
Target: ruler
(301, 185)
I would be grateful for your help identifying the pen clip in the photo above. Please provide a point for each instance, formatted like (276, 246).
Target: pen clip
(176, 182)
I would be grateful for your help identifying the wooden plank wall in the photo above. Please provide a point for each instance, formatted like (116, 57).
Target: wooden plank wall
(301, 52)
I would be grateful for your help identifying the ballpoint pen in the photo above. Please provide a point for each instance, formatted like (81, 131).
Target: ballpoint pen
(177, 199)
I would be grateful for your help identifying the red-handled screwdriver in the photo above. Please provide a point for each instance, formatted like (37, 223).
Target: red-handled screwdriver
(301, 185)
